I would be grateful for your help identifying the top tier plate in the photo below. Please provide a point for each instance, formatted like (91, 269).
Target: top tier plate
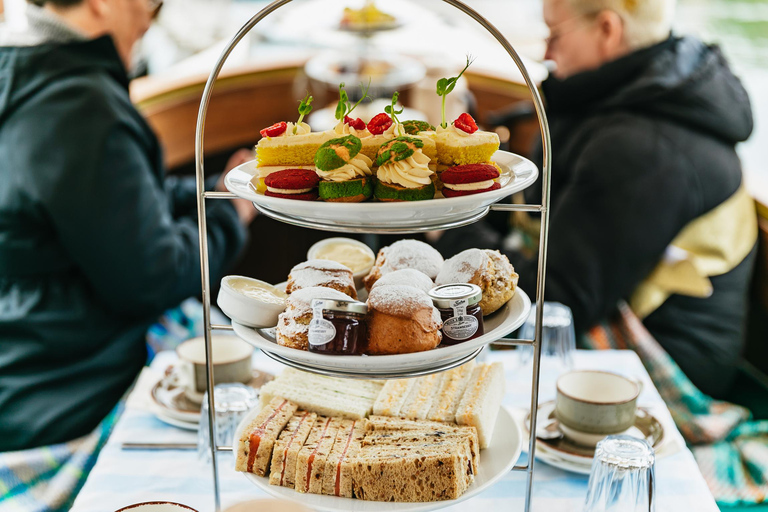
(517, 174)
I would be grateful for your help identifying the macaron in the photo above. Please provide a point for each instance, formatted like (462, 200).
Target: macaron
(292, 184)
(463, 180)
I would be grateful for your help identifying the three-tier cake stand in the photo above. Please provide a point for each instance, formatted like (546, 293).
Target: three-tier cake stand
(378, 227)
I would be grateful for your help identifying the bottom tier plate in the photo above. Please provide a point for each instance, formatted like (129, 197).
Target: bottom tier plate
(511, 316)
(495, 462)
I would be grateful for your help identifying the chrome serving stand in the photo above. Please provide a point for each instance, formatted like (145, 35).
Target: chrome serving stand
(542, 208)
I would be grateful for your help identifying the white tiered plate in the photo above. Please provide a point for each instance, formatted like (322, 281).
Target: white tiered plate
(517, 174)
(502, 322)
(495, 462)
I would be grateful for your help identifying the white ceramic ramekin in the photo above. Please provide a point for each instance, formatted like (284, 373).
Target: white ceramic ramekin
(360, 274)
(248, 310)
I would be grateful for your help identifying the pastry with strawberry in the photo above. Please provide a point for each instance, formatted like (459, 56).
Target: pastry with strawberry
(461, 142)
(287, 145)
(404, 173)
(345, 172)
(386, 126)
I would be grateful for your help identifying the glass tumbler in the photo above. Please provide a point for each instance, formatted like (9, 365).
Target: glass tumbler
(558, 338)
(233, 401)
(622, 477)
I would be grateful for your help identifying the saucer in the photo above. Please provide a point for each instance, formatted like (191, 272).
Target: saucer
(169, 402)
(646, 427)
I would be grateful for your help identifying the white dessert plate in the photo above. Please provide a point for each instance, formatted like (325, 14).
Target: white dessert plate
(495, 462)
(518, 173)
(502, 322)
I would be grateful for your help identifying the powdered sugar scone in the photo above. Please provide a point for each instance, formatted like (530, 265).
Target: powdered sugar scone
(325, 273)
(401, 319)
(293, 323)
(406, 277)
(490, 270)
(405, 254)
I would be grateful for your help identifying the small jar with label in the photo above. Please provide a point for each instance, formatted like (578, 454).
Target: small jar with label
(337, 327)
(459, 306)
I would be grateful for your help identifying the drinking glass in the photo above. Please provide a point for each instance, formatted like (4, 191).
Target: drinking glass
(558, 338)
(622, 477)
(233, 401)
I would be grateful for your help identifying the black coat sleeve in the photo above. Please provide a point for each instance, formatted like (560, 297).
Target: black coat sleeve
(116, 221)
(628, 198)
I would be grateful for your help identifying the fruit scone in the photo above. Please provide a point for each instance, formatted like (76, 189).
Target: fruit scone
(344, 170)
(287, 145)
(404, 173)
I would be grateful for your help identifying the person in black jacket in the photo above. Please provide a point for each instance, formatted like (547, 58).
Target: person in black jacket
(95, 243)
(647, 202)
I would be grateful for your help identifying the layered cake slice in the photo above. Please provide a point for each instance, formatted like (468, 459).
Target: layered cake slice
(255, 444)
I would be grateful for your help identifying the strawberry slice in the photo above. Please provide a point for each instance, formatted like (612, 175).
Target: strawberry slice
(357, 124)
(379, 124)
(465, 123)
(274, 130)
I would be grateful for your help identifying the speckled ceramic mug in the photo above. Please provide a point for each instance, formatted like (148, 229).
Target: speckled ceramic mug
(596, 402)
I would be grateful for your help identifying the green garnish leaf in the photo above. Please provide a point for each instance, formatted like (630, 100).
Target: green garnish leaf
(305, 107)
(390, 109)
(446, 85)
(343, 108)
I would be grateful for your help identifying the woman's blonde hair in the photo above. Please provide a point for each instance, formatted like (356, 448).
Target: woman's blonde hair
(646, 22)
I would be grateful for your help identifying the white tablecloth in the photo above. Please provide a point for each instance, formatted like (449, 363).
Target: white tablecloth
(121, 477)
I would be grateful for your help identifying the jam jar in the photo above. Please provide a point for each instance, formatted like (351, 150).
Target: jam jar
(337, 327)
(459, 306)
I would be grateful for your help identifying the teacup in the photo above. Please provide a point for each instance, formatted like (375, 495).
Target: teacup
(593, 404)
(231, 363)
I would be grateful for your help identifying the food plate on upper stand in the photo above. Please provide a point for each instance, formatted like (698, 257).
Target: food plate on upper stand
(495, 463)
(511, 316)
(517, 173)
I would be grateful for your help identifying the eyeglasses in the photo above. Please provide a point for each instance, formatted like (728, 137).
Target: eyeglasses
(555, 33)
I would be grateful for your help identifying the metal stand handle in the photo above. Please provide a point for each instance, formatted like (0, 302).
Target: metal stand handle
(543, 208)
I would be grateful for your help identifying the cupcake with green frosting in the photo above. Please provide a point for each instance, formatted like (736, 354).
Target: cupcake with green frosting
(345, 172)
(404, 173)
(415, 127)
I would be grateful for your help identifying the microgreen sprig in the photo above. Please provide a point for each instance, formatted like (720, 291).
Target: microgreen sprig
(343, 108)
(305, 107)
(446, 85)
(390, 109)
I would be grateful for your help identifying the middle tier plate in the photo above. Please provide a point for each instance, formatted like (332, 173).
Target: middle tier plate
(511, 316)
(517, 173)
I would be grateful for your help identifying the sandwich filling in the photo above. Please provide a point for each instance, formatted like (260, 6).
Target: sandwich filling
(255, 437)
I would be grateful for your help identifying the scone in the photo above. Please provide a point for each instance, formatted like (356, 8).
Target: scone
(325, 273)
(405, 254)
(293, 323)
(406, 277)
(401, 319)
(490, 270)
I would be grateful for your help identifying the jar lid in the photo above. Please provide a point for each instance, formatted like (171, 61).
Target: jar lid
(346, 306)
(443, 295)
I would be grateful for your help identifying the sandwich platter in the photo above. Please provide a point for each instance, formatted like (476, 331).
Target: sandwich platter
(495, 462)
(511, 316)
(517, 174)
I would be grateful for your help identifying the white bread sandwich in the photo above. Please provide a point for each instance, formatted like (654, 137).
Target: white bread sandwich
(255, 445)
(482, 399)
(287, 448)
(337, 477)
(419, 401)
(392, 397)
(323, 395)
(449, 395)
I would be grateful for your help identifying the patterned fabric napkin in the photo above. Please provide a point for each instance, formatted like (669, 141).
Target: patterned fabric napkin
(48, 478)
(730, 449)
